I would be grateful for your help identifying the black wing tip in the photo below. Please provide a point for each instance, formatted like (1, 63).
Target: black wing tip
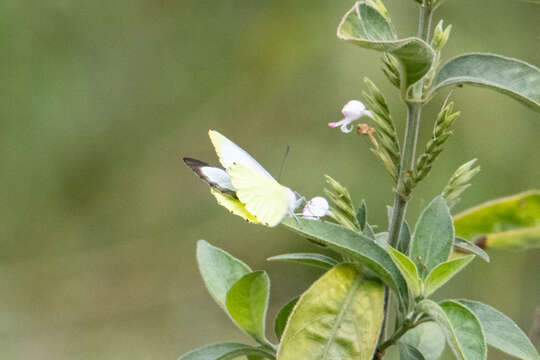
(193, 163)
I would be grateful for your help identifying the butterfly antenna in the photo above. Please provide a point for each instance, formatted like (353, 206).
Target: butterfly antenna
(287, 149)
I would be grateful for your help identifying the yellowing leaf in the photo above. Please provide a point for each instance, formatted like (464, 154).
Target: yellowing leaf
(338, 317)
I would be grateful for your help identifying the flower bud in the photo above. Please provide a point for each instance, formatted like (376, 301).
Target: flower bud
(316, 208)
(440, 36)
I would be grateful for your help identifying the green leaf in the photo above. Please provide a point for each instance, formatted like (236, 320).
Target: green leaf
(351, 243)
(433, 236)
(460, 326)
(247, 302)
(408, 270)
(427, 338)
(408, 352)
(509, 76)
(509, 222)
(219, 270)
(404, 234)
(501, 332)
(468, 330)
(226, 351)
(313, 259)
(338, 317)
(283, 316)
(361, 215)
(367, 27)
(382, 239)
(369, 232)
(520, 239)
(463, 245)
(444, 272)
(404, 238)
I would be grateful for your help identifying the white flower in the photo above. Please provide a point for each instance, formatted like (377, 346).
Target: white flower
(353, 110)
(316, 208)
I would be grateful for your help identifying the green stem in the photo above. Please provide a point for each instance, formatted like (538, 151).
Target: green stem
(414, 113)
(424, 22)
(395, 337)
(406, 326)
(402, 192)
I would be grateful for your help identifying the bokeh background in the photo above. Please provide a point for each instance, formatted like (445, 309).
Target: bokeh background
(100, 99)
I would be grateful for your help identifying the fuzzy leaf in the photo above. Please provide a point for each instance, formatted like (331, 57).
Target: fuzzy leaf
(361, 215)
(466, 246)
(382, 239)
(353, 244)
(468, 330)
(367, 27)
(283, 316)
(427, 338)
(226, 351)
(370, 233)
(247, 302)
(501, 332)
(338, 317)
(313, 259)
(219, 270)
(442, 273)
(433, 237)
(408, 352)
(509, 222)
(509, 76)
(404, 238)
(408, 270)
(404, 234)
(462, 329)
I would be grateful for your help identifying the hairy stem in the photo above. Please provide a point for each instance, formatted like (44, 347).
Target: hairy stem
(406, 326)
(414, 114)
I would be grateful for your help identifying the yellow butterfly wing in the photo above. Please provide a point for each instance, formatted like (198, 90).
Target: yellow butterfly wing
(262, 196)
(233, 205)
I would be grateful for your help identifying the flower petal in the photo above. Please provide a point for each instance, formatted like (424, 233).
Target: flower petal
(316, 208)
(353, 109)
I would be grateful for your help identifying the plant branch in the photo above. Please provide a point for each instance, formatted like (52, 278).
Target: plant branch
(414, 114)
(406, 326)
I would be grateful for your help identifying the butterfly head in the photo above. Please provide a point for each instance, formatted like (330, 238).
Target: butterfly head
(293, 201)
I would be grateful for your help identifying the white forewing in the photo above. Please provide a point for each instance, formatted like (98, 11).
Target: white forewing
(229, 153)
(218, 176)
(214, 176)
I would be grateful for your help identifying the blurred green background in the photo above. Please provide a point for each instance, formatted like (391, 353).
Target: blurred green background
(100, 99)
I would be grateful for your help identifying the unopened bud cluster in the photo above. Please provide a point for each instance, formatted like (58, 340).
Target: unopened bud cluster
(440, 36)
(387, 145)
(441, 133)
(342, 208)
(459, 182)
(391, 69)
(439, 40)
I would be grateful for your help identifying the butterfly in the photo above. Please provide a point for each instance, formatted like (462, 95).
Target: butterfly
(243, 186)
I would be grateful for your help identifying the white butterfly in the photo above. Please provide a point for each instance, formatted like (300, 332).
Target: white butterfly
(244, 186)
